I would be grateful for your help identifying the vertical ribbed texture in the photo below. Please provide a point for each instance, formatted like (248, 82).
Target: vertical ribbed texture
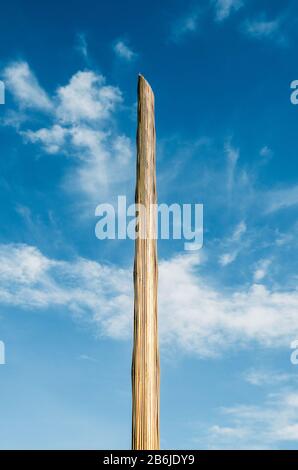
(145, 361)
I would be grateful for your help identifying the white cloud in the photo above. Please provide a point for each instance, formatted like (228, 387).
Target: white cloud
(195, 317)
(107, 163)
(227, 258)
(52, 139)
(23, 264)
(227, 432)
(224, 8)
(93, 292)
(86, 357)
(122, 50)
(278, 199)
(187, 24)
(239, 190)
(262, 269)
(82, 142)
(232, 155)
(81, 125)
(104, 159)
(82, 46)
(239, 231)
(286, 238)
(205, 320)
(22, 83)
(233, 245)
(86, 97)
(263, 28)
(266, 426)
(266, 152)
(264, 377)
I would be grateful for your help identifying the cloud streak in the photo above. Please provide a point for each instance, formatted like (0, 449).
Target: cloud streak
(123, 51)
(81, 125)
(195, 317)
(224, 8)
(263, 28)
(185, 25)
(24, 86)
(266, 426)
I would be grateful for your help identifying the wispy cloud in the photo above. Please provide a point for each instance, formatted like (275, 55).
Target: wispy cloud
(227, 258)
(189, 22)
(92, 292)
(265, 426)
(266, 152)
(24, 86)
(239, 231)
(232, 155)
(81, 125)
(277, 199)
(232, 245)
(262, 269)
(185, 25)
(52, 139)
(263, 28)
(122, 50)
(82, 46)
(86, 357)
(224, 8)
(86, 98)
(261, 378)
(195, 317)
(223, 318)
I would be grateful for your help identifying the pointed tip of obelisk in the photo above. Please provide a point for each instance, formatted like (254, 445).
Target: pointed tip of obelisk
(143, 82)
(141, 78)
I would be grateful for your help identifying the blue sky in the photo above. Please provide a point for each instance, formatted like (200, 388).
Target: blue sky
(226, 137)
